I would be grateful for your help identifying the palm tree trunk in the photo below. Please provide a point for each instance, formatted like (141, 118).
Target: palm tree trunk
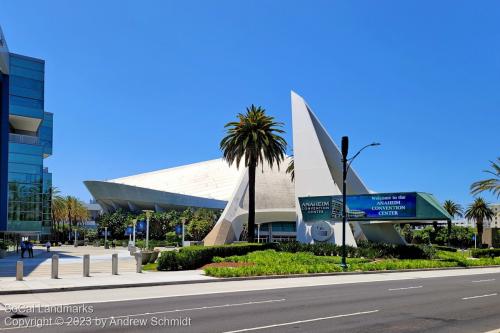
(479, 226)
(251, 202)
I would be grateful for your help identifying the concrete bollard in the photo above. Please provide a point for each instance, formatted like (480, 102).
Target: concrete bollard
(138, 262)
(19, 270)
(55, 267)
(86, 265)
(114, 264)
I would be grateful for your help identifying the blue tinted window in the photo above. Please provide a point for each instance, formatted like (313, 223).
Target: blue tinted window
(26, 83)
(26, 102)
(29, 73)
(25, 168)
(16, 60)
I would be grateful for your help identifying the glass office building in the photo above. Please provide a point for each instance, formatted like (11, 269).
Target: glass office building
(26, 140)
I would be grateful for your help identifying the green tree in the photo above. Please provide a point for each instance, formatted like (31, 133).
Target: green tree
(256, 139)
(491, 184)
(454, 210)
(479, 210)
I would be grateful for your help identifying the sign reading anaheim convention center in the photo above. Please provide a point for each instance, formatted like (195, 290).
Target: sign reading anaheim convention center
(369, 207)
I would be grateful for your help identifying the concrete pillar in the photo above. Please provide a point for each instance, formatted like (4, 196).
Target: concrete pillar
(19, 270)
(138, 262)
(55, 267)
(114, 264)
(86, 265)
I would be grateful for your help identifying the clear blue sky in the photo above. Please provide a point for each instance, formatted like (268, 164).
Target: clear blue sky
(137, 86)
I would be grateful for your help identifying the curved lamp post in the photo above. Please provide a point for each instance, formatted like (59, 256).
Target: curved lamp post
(346, 165)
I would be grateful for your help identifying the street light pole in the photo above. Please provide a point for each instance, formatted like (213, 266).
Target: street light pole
(183, 225)
(345, 150)
(345, 169)
(148, 214)
(134, 221)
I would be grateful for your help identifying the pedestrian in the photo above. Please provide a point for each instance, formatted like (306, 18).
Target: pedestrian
(23, 248)
(48, 246)
(30, 249)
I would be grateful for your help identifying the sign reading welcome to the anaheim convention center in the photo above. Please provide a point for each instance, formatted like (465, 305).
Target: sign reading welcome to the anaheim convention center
(379, 206)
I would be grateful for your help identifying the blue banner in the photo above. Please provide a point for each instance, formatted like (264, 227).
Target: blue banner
(140, 227)
(178, 229)
(129, 231)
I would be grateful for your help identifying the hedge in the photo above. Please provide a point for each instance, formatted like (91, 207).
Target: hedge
(485, 253)
(193, 257)
(364, 249)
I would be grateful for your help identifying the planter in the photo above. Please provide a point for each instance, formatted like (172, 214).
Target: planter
(154, 256)
(3, 253)
(146, 256)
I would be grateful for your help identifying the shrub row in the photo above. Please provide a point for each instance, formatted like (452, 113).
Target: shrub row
(364, 249)
(193, 257)
(485, 253)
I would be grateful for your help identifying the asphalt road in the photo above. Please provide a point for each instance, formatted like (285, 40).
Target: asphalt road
(446, 304)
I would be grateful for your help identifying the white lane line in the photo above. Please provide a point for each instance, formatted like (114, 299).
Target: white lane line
(494, 331)
(480, 296)
(301, 321)
(487, 280)
(416, 287)
(94, 320)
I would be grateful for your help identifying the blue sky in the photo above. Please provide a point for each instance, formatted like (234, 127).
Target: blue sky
(137, 86)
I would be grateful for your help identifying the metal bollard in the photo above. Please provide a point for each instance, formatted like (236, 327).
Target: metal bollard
(19, 270)
(55, 267)
(138, 262)
(114, 264)
(86, 265)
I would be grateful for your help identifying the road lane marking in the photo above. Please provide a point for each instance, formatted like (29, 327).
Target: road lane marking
(158, 312)
(301, 321)
(393, 289)
(472, 297)
(487, 280)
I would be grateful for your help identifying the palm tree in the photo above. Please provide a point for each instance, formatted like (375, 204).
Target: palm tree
(255, 139)
(454, 210)
(479, 210)
(492, 184)
(291, 168)
(58, 209)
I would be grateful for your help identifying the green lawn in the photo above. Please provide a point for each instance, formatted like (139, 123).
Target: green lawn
(270, 262)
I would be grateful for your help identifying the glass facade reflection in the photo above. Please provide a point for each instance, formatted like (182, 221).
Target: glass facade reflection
(29, 143)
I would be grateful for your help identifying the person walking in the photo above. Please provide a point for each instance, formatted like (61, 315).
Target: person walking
(48, 246)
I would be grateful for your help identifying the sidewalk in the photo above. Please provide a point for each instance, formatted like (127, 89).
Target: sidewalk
(100, 281)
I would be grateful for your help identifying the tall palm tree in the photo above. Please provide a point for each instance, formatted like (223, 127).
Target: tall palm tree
(58, 209)
(492, 184)
(291, 168)
(256, 139)
(479, 210)
(454, 210)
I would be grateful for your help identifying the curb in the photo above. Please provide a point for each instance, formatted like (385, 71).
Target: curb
(244, 278)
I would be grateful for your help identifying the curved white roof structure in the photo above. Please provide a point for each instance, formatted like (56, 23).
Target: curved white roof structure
(213, 179)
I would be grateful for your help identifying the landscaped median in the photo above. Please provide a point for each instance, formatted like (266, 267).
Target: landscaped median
(295, 258)
(270, 262)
